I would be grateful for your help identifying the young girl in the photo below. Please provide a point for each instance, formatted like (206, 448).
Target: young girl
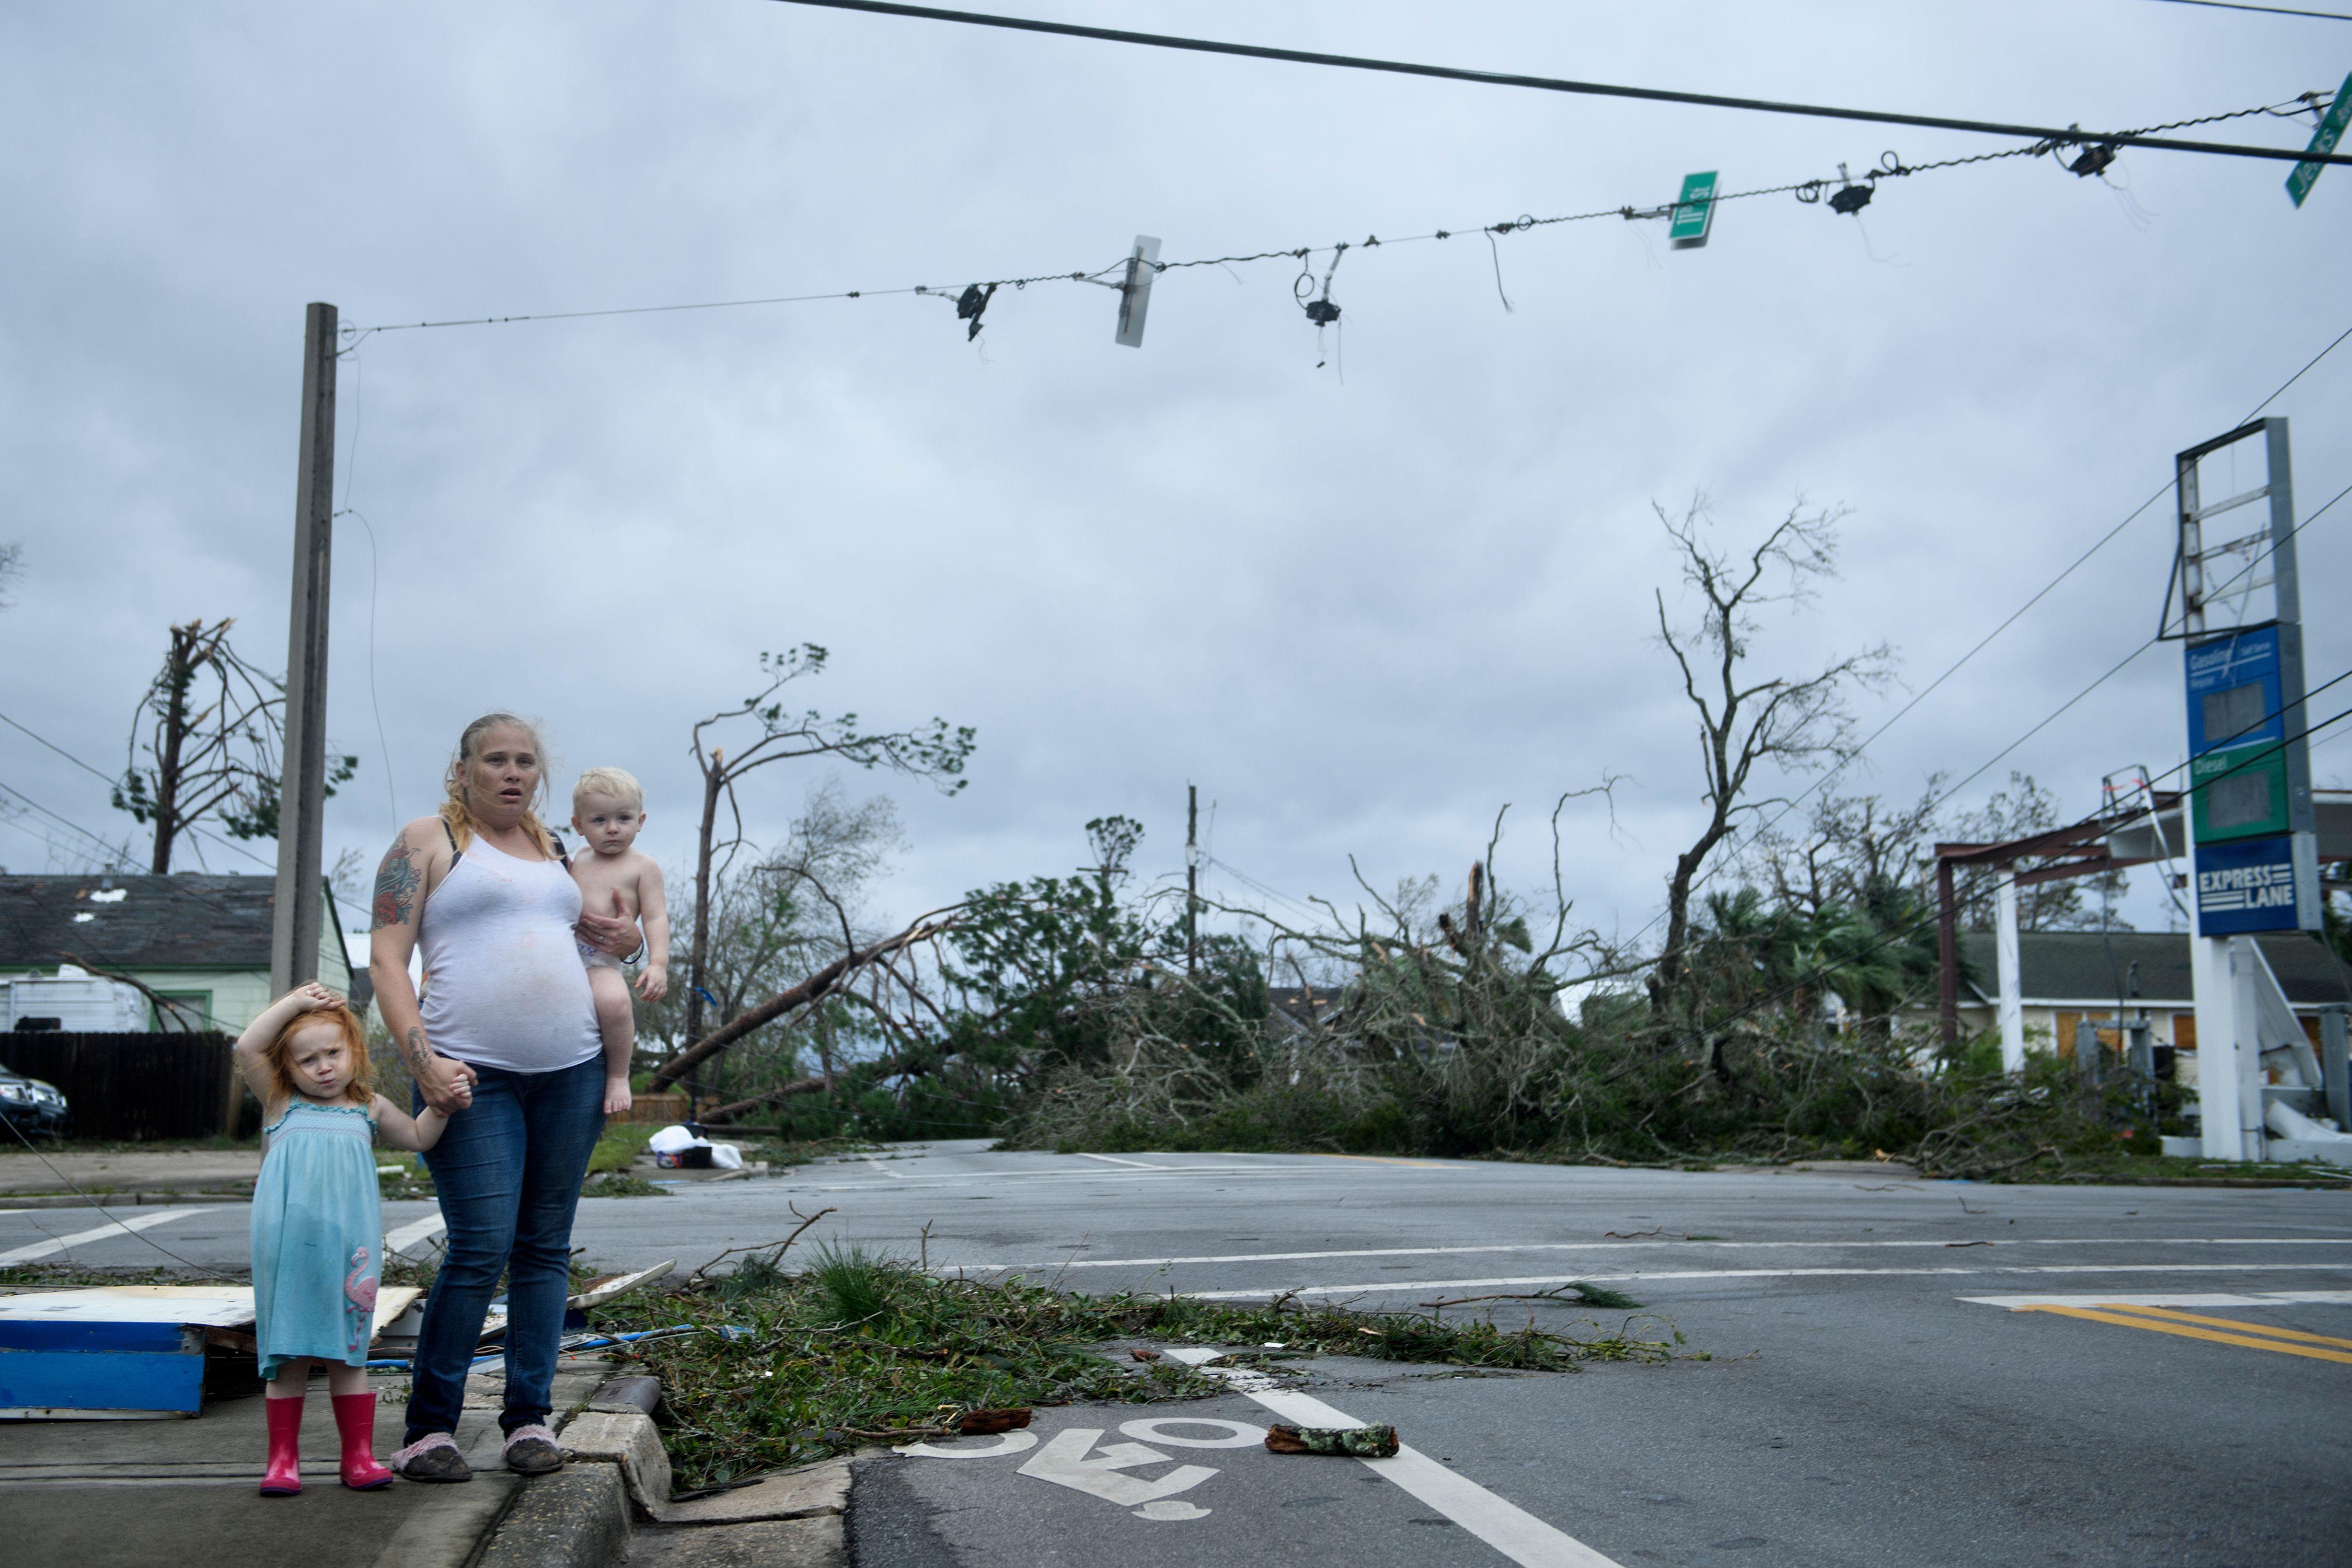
(317, 1224)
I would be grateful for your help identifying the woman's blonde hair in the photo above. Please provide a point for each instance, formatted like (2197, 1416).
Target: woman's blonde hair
(279, 1077)
(460, 817)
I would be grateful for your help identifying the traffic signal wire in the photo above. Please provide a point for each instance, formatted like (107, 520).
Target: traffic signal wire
(2073, 135)
(1890, 166)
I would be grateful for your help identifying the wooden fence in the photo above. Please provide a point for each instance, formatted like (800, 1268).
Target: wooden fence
(659, 1109)
(134, 1086)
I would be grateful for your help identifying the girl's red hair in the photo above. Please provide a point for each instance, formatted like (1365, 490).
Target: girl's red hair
(281, 1080)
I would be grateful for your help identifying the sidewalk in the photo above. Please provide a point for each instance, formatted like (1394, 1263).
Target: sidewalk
(148, 1494)
(131, 1171)
(139, 1493)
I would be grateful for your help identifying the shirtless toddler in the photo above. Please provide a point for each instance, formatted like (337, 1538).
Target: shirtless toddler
(608, 808)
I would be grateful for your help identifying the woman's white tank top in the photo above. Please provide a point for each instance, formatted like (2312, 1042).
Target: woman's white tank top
(504, 983)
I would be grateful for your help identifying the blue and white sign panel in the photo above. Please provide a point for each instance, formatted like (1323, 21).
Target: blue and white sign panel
(2248, 885)
(2234, 691)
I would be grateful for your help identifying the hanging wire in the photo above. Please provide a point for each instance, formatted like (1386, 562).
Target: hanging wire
(1890, 166)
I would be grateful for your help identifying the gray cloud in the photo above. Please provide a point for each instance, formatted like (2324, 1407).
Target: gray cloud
(1361, 615)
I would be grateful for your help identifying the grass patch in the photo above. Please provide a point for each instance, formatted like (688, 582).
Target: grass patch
(623, 1142)
(858, 1347)
(620, 1184)
(75, 1277)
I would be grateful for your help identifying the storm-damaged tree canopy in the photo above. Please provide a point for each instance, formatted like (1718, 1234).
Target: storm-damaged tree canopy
(1765, 1020)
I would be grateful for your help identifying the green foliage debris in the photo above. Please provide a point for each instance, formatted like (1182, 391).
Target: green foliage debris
(858, 1348)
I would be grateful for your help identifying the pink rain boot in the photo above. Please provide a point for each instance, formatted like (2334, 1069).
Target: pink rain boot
(355, 1419)
(284, 1477)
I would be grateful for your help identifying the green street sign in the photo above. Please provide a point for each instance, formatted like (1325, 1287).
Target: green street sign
(1694, 212)
(2240, 793)
(2298, 185)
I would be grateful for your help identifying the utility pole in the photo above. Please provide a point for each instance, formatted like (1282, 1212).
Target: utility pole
(296, 915)
(1191, 881)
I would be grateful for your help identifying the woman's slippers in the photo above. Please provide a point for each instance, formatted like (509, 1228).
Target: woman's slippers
(531, 1450)
(433, 1457)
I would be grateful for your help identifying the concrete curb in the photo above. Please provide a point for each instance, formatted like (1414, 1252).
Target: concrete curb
(616, 1481)
(576, 1518)
(117, 1200)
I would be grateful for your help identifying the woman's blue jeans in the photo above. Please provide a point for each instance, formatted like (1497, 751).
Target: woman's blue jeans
(508, 1170)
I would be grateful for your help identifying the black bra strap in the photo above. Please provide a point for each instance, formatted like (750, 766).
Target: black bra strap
(454, 853)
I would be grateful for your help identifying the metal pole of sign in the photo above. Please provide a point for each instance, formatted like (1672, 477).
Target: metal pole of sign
(296, 916)
(2335, 1065)
(2005, 958)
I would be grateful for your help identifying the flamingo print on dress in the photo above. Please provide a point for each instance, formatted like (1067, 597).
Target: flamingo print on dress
(359, 1288)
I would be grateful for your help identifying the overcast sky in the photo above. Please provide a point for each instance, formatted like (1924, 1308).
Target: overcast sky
(1363, 590)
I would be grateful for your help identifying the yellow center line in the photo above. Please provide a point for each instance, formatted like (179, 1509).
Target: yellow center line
(2186, 1332)
(1376, 1160)
(2263, 1329)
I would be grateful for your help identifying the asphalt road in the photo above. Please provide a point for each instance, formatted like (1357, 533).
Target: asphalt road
(1875, 1395)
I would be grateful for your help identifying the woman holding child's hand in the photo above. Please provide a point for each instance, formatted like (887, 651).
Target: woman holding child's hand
(506, 1021)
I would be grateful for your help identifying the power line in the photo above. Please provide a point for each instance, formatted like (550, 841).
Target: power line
(2273, 10)
(1717, 862)
(191, 828)
(110, 853)
(2071, 136)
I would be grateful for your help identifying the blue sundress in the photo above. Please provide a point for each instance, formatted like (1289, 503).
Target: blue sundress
(317, 1230)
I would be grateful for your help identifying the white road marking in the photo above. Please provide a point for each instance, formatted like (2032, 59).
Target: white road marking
(415, 1233)
(1507, 1527)
(1007, 1443)
(2173, 1298)
(1621, 1245)
(99, 1233)
(1156, 1173)
(1237, 1434)
(1066, 1462)
(886, 1170)
(1390, 1287)
(1138, 1164)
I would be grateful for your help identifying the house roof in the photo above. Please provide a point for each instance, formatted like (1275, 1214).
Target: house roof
(183, 921)
(2146, 967)
(187, 922)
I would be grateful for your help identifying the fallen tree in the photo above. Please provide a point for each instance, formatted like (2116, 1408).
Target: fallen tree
(830, 978)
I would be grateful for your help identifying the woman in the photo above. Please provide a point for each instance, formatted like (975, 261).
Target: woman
(507, 1010)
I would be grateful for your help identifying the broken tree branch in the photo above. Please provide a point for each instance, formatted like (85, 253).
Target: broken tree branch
(818, 985)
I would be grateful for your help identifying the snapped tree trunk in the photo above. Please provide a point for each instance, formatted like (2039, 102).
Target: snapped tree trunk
(714, 780)
(179, 672)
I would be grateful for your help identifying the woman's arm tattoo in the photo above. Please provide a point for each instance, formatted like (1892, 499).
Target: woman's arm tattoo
(413, 1050)
(396, 881)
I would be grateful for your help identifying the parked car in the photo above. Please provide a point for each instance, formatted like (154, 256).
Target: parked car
(32, 1106)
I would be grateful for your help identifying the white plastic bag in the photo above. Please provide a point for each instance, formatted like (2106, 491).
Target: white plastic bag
(726, 1156)
(670, 1140)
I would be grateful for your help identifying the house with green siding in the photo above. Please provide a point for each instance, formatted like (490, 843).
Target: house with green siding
(199, 942)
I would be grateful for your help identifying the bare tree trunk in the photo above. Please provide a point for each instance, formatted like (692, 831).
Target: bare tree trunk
(179, 674)
(714, 780)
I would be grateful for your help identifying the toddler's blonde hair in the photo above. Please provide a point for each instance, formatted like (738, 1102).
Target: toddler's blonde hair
(608, 783)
